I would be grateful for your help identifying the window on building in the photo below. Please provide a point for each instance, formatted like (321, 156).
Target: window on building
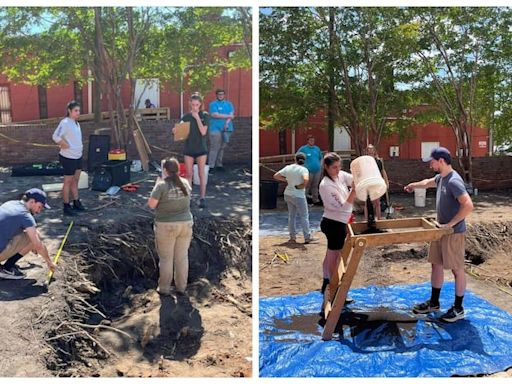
(5, 104)
(427, 147)
(394, 151)
(43, 103)
(77, 93)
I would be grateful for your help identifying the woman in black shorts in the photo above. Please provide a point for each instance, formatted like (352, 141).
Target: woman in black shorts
(337, 192)
(196, 144)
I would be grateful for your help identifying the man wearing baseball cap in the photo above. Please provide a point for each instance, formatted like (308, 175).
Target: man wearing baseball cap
(18, 234)
(453, 204)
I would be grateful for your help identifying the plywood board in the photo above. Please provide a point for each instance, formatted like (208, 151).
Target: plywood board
(181, 131)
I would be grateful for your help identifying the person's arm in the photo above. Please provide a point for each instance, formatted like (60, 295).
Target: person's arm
(279, 177)
(466, 207)
(39, 248)
(425, 183)
(305, 177)
(333, 199)
(155, 195)
(58, 136)
(203, 128)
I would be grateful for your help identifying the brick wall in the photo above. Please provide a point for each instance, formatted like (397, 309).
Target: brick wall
(20, 148)
(488, 172)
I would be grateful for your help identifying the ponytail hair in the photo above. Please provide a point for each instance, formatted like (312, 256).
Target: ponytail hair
(172, 166)
(300, 158)
(329, 159)
(71, 105)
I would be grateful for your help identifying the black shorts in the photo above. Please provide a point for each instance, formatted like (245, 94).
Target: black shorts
(70, 165)
(335, 231)
(196, 155)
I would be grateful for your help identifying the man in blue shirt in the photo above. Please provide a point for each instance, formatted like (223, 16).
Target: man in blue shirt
(313, 165)
(18, 234)
(220, 129)
(453, 204)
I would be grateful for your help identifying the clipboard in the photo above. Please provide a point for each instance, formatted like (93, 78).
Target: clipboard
(181, 131)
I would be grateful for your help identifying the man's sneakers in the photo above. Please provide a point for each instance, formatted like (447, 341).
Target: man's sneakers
(452, 315)
(12, 273)
(310, 240)
(202, 203)
(426, 307)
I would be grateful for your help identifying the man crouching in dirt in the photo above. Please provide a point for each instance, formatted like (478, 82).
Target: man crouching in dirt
(18, 234)
(453, 204)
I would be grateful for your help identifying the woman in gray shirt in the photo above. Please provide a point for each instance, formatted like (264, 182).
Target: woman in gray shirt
(170, 199)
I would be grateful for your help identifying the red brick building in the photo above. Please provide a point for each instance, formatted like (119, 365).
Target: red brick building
(418, 145)
(21, 102)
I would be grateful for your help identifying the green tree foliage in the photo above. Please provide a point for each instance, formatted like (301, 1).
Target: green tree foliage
(392, 67)
(49, 46)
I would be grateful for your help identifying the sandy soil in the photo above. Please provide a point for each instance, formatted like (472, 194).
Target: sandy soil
(488, 242)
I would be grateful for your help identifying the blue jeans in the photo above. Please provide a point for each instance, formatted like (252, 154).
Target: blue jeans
(297, 206)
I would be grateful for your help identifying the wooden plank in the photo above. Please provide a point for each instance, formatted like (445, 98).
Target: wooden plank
(141, 149)
(341, 295)
(419, 235)
(388, 224)
(148, 149)
(340, 269)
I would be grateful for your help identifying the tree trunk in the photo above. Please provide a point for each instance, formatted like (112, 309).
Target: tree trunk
(332, 84)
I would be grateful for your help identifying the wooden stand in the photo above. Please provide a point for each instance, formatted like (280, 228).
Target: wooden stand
(413, 230)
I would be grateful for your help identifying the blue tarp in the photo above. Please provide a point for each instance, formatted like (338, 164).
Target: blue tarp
(380, 337)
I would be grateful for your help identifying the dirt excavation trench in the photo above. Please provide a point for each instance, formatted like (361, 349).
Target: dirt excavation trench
(110, 321)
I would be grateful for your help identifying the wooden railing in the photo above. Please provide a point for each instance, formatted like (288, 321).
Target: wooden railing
(290, 158)
(140, 114)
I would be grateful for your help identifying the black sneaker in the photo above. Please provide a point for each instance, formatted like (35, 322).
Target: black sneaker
(12, 273)
(452, 315)
(426, 307)
(220, 169)
(202, 203)
(68, 210)
(77, 205)
(211, 172)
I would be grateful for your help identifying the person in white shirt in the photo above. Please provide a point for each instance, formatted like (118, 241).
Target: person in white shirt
(337, 192)
(297, 178)
(68, 136)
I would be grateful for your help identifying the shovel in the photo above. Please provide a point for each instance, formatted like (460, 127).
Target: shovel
(389, 210)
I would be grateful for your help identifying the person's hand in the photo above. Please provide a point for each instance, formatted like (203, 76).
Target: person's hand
(300, 186)
(195, 115)
(51, 265)
(353, 186)
(64, 144)
(409, 188)
(448, 225)
(174, 130)
(225, 126)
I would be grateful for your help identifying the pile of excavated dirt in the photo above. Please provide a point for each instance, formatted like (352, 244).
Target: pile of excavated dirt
(114, 323)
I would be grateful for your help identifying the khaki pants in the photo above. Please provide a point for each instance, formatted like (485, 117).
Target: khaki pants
(217, 146)
(172, 241)
(16, 245)
(448, 251)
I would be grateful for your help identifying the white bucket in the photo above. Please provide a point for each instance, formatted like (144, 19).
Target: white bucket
(83, 182)
(420, 195)
(367, 178)
(195, 177)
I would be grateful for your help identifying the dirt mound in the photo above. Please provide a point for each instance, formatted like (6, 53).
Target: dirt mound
(484, 239)
(113, 313)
